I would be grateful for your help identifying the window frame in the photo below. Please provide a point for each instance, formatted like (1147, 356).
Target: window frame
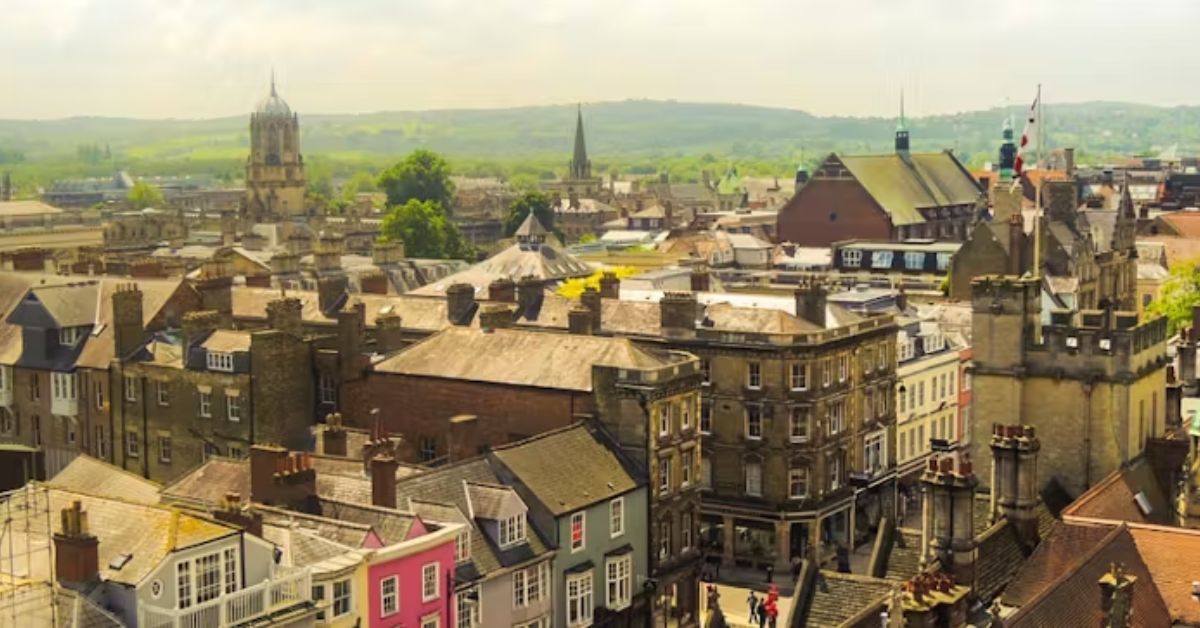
(233, 408)
(385, 596)
(754, 419)
(793, 473)
(618, 579)
(616, 517)
(219, 361)
(164, 449)
(754, 375)
(798, 372)
(578, 543)
(580, 604)
(426, 594)
(752, 489)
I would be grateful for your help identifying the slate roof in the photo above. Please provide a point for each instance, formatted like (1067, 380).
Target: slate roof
(423, 313)
(227, 341)
(838, 597)
(147, 533)
(440, 496)
(487, 500)
(1073, 599)
(531, 226)
(567, 469)
(348, 533)
(86, 474)
(547, 262)
(519, 358)
(904, 561)
(903, 187)
(302, 547)
(1114, 497)
(392, 526)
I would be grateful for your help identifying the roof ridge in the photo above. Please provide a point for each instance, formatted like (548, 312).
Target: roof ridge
(1093, 492)
(543, 435)
(310, 516)
(370, 507)
(111, 467)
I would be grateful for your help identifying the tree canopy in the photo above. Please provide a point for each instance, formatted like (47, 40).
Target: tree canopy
(535, 202)
(143, 195)
(1180, 292)
(425, 231)
(423, 175)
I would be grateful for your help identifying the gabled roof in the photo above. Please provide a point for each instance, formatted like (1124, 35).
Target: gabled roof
(68, 305)
(1161, 548)
(1115, 497)
(567, 469)
(904, 186)
(1073, 598)
(86, 474)
(519, 358)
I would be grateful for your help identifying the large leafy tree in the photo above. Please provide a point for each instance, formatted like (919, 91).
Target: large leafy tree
(425, 231)
(143, 195)
(1180, 292)
(423, 175)
(530, 202)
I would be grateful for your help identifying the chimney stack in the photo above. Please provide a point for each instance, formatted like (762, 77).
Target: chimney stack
(1116, 597)
(579, 320)
(389, 332)
(610, 285)
(383, 480)
(280, 478)
(531, 291)
(76, 551)
(700, 279)
(333, 437)
(331, 291)
(1016, 244)
(1069, 159)
(216, 290)
(197, 326)
(1014, 479)
(677, 312)
(811, 299)
(233, 512)
(387, 253)
(502, 290)
(590, 299)
(351, 321)
(949, 514)
(460, 303)
(285, 315)
(373, 282)
(494, 316)
(129, 330)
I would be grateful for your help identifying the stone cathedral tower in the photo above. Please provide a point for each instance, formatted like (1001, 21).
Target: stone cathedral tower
(275, 168)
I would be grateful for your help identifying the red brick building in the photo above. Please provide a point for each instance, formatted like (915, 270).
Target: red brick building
(897, 196)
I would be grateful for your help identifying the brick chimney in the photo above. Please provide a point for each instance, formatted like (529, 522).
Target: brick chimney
(235, 513)
(1116, 597)
(1015, 480)
(700, 279)
(389, 332)
(1016, 244)
(949, 514)
(502, 290)
(378, 443)
(610, 285)
(387, 253)
(76, 551)
(591, 301)
(328, 256)
(285, 263)
(330, 292)
(1069, 159)
(286, 315)
(580, 320)
(677, 312)
(383, 480)
(129, 330)
(496, 316)
(531, 291)
(460, 303)
(279, 478)
(333, 437)
(351, 321)
(373, 282)
(811, 299)
(464, 437)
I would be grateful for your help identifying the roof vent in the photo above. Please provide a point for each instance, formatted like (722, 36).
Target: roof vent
(1143, 503)
(119, 561)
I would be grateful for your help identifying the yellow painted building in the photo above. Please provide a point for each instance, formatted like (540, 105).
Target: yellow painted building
(926, 393)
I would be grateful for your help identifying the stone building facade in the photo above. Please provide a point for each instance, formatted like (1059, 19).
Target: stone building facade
(1092, 382)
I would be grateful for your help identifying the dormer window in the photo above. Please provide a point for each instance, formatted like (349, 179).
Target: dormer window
(220, 361)
(512, 530)
(68, 336)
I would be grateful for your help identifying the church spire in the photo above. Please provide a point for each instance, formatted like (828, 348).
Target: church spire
(273, 82)
(581, 166)
(901, 130)
(1008, 151)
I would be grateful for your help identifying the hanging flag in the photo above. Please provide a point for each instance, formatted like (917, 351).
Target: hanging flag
(1030, 132)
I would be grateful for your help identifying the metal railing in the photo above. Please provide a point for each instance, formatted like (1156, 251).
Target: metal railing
(239, 607)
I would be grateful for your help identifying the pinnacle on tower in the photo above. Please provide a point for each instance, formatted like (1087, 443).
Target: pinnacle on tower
(1008, 152)
(273, 82)
(901, 130)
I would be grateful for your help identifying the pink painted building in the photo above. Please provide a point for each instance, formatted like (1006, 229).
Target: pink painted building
(411, 584)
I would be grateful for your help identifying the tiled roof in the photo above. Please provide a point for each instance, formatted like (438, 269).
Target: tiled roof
(348, 533)
(839, 597)
(424, 313)
(567, 469)
(86, 474)
(301, 547)
(1186, 224)
(547, 262)
(1053, 556)
(904, 561)
(1163, 550)
(72, 304)
(227, 341)
(520, 358)
(1000, 556)
(487, 500)
(903, 187)
(1114, 497)
(1073, 599)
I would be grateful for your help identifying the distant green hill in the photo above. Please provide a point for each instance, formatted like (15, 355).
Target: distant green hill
(628, 136)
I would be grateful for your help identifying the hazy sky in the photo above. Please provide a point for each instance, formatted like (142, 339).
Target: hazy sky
(205, 58)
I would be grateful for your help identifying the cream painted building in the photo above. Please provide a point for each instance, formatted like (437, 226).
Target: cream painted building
(927, 379)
